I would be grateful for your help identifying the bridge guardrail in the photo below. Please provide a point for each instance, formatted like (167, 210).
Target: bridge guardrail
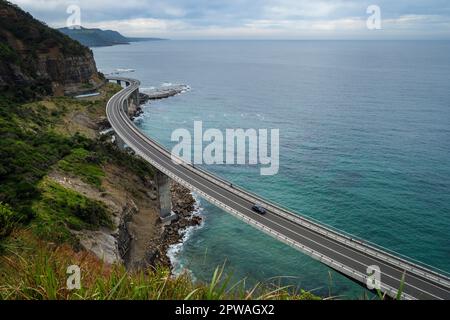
(343, 236)
(304, 221)
(306, 250)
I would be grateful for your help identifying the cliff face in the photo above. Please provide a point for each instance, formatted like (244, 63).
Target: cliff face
(101, 38)
(95, 37)
(35, 59)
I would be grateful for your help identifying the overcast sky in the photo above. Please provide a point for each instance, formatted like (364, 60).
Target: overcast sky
(253, 19)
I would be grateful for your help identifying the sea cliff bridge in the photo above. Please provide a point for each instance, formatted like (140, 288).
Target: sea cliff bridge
(342, 252)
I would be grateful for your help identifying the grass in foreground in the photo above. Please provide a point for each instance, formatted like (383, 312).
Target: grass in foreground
(31, 269)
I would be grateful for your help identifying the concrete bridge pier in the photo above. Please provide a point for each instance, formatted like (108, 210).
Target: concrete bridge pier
(163, 187)
(134, 98)
(119, 142)
(132, 103)
(165, 198)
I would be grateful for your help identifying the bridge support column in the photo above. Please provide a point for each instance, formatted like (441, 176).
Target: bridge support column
(136, 96)
(131, 105)
(119, 142)
(119, 82)
(165, 199)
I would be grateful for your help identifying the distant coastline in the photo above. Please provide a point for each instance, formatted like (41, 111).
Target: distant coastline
(101, 38)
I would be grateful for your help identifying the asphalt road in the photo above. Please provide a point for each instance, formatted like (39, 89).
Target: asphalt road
(348, 256)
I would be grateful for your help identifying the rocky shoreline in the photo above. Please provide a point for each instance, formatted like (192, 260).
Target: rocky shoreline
(183, 204)
(159, 94)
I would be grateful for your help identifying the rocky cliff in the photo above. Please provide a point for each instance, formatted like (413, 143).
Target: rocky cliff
(38, 60)
(95, 37)
(100, 38)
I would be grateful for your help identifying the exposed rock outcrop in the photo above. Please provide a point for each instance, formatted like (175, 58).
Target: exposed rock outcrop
(37, 60)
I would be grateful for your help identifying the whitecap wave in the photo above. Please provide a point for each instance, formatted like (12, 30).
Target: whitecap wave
(120, 71)
(165, 90)
(175, 250)
(143, 89)
(125, 70)
(139, 119)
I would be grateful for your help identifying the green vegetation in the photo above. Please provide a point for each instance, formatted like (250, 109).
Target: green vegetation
(33, 142)
(29, 148)
(7, 54)
(384, 296)
(95, 37)
(24, 93)
(84, 164)
(60, 210)
(38, 216)
(24, 43)
(87, 163)
(87, 86)
(7, 220)
(36, 33)
(38, 271)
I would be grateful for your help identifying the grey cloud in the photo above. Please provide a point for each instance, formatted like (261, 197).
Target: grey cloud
(238, 15)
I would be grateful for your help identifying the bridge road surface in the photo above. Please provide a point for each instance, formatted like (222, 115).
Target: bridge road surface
(344, 254)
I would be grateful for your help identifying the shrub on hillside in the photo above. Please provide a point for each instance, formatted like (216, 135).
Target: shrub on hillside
(7, 220)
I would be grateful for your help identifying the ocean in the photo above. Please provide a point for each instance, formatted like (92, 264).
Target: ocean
(364, 144)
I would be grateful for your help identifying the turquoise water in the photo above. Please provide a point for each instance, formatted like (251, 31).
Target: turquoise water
(364, 134)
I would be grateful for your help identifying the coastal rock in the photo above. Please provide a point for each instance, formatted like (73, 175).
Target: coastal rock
(103, 123)
(143, 98)
(182, 200)
(152, 195)
(102, 243)
(124, 236)
(165, 92)
(183, 204)
(38, 60)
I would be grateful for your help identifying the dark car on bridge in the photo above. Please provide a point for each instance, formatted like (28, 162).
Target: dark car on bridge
(259, 209)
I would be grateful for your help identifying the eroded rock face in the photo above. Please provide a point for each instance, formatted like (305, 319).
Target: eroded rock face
(102, 243)
(69, 75)
(133, 215)
(125, 236)
(41, 60)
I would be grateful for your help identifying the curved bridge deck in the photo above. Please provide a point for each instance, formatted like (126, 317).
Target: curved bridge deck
(343, 253)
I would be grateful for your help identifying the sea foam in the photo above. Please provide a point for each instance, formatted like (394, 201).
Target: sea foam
(175, 250)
